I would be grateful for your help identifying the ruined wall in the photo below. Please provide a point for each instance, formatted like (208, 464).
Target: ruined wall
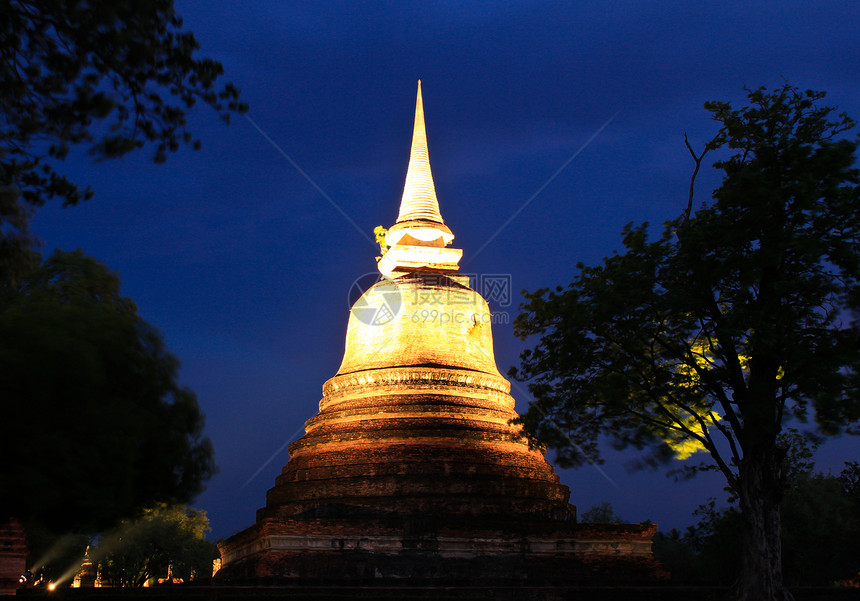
(13, 556)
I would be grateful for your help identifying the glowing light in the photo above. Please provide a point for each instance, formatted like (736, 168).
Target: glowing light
(682, 444)
(688, 440)
(52, 586)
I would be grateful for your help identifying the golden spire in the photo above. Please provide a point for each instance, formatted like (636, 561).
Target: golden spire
(417, 241)
(419, 193)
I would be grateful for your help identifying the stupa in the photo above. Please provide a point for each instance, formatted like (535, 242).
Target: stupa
(412, 468)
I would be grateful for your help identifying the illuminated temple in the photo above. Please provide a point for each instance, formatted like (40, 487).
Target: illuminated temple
(411, 469)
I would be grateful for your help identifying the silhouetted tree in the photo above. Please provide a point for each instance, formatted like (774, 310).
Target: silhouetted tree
(95, 423)
(821, 528)
(110, 75)
(601, 513)
(820, 535)
(737, 319)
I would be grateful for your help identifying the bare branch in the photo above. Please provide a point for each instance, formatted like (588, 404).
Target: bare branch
(698, 160)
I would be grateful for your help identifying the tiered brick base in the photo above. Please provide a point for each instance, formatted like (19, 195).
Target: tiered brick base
(417, 440)
(415, 472)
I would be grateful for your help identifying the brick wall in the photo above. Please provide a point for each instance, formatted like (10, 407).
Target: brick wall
(13, 556)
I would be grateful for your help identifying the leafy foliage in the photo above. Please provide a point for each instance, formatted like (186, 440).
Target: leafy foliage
(112, 76)
(164, 539)
(820, 531)
(732, 321)
(601, 513)
(706, 553)
(821, 528)
(97, 425)
(736, 320)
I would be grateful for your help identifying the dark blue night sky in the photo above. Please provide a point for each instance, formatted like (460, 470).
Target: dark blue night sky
(245, 266)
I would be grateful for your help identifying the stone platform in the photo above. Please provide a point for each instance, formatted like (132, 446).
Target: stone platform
(343, 544)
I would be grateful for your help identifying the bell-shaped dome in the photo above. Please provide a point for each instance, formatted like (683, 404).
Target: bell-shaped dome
(420, 319)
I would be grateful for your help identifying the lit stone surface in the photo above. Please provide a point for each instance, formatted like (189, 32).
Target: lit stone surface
(438, 321)
(406, 258)
(411, 468)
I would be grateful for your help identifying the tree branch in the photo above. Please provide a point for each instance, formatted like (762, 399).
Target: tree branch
(698, 160)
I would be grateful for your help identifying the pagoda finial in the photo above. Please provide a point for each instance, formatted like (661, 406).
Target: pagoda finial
(418, 239)
(419, 193)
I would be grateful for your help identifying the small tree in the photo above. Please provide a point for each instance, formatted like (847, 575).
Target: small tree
(164, 540)
(739, 318)
(601, 513)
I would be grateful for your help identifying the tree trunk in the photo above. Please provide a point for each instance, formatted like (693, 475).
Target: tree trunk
(761, 487)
